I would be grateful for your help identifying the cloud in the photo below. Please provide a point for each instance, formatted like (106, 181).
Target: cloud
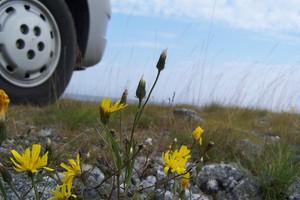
(255, 15)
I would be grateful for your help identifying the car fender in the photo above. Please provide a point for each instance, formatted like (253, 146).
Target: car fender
(100, 13)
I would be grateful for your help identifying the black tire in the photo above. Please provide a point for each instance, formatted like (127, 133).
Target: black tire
(53, 82)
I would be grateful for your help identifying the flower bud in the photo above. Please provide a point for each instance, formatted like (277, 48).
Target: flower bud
(48, 147)
(5, 174)
(112, 132)
(209, 146)
(88, 155)
(131, 150)
(175, 140)
(141, 89)
(141, 146)
(162, 60)
(124, 97)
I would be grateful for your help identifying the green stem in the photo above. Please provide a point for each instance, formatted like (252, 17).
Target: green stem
(119, 170)
(3, 191)
(15, 192)
(115, 173)
(129, 167)
(36, 192)
(121, 133)
(168, 178)
(118, 184)
(140, 110)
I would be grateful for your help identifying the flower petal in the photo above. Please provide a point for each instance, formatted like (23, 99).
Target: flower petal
(78, 159)
(35, 152)
(105, 105)
(66, 167)
(166, 169)
(49, 169)
(17, 156)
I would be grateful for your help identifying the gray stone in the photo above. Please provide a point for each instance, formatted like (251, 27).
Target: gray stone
(263, 122)
(188, 114)
(148, 182)
(195, 196)
(268, 137)
(228, 182)
(294, 191)
(248, 149)
(95, 175)
(22, 184)
(295, 196)
(167, 195)
(160, 174)
(200, 197)
(46, 132)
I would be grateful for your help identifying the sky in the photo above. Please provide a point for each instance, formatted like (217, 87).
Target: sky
(235, 52)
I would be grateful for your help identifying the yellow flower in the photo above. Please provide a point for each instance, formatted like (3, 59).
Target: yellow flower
(73, 170)
(197, 134)
(30, 160)
(183, 152)
(181, 157)
(106, 109)
(169, 161)
(62, 192)
(176, 161)
(4, 101)
(185, 181)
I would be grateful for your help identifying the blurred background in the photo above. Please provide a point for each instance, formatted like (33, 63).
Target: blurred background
(232, 52)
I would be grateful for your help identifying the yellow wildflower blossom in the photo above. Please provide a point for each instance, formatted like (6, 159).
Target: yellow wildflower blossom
(176, 161)
(185, 181)
(73, 170)
(183, 152)
(106, 109)
(30, 160)
(4, 101)
(62, 192)
(169, 161)
(197, 134)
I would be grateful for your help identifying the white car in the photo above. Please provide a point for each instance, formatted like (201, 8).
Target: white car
(43, 41)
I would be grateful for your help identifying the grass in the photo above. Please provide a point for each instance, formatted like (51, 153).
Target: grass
(277, 171)
(74, 123)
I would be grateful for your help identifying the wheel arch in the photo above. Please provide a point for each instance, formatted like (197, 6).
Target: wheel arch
(80, 14)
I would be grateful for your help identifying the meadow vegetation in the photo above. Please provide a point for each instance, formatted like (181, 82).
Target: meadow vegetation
(75, 123)
(82, 129)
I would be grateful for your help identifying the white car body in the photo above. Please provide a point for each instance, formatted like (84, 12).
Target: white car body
(100, 12)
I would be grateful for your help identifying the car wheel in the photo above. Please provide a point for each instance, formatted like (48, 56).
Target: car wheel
(37, 49)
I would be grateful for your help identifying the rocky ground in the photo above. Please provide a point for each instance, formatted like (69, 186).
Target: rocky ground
(226, 181)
